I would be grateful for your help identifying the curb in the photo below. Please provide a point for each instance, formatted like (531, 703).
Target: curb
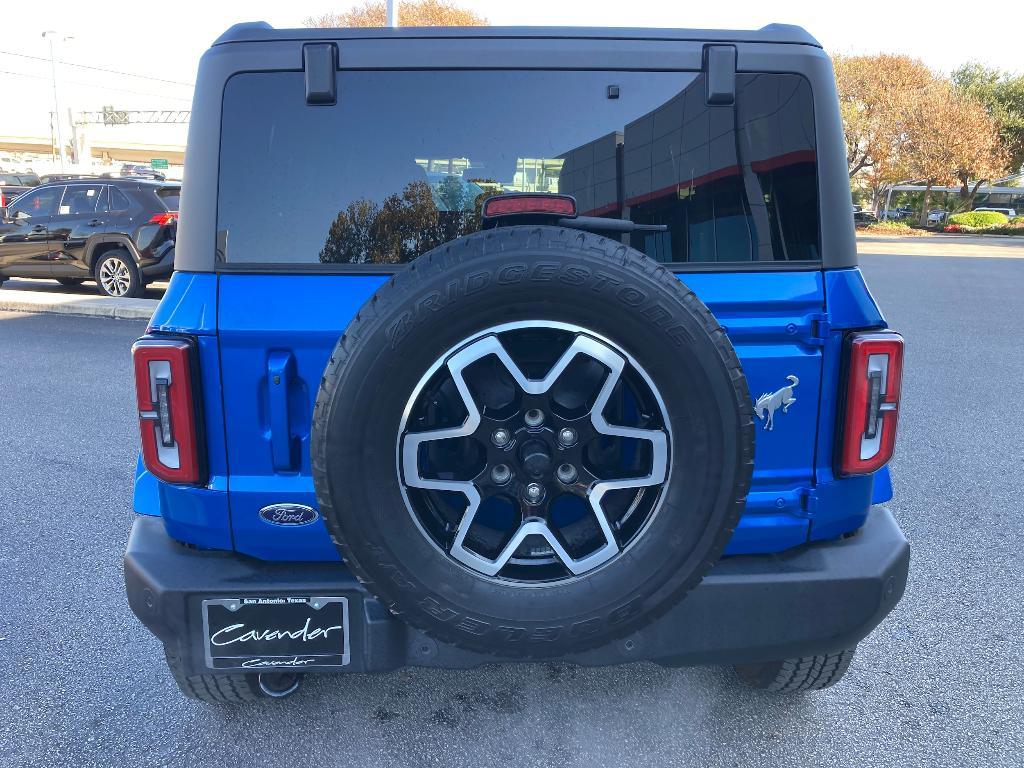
(90, 306)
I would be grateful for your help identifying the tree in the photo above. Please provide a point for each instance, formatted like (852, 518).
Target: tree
(950, 138)
(977, 151)
(1003, 97)
(405, 224)
(421, 13)
(904, 123)
(928, 155)
(874, 92)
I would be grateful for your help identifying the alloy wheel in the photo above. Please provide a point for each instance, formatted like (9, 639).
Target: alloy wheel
(534, 452)
(115, 277)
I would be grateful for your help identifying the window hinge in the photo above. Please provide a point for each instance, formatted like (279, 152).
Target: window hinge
(720, 74)
(320, 62)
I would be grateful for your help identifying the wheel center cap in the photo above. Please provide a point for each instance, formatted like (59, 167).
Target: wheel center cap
(536, 459)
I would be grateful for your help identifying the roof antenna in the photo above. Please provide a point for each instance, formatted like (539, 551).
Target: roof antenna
(393, 13)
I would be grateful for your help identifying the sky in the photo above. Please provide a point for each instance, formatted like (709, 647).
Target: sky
(155, 47)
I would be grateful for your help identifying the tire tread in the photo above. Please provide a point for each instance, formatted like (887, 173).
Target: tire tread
(224, 688)
(805, 673)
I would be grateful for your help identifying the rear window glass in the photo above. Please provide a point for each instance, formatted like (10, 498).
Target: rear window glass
(405, 159)
(169, 196)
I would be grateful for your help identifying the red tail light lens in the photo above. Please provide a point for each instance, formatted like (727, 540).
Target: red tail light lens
(872, 401)
(504, 205)
(164, 218)
(167, 409)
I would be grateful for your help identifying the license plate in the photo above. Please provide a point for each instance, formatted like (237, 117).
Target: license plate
(276, 633)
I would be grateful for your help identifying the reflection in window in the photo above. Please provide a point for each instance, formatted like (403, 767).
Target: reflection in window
(731, 183)
(38, 202)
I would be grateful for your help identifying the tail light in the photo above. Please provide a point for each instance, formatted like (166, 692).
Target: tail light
(875, 367)
(164, 218)
(168, 413)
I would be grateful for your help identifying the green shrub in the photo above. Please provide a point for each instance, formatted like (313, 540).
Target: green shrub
(1015, 227)
(1009, 229)
(979, 219)
(893, 228)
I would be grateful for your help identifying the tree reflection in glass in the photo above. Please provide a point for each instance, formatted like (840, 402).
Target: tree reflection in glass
(404, 225)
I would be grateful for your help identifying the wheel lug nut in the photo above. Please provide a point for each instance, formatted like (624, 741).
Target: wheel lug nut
(534, 493)
(534, 417)
(567, 436)
(501, 474)
(501, 437)
(566, 473)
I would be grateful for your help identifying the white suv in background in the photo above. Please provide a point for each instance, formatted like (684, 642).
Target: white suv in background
(1010, 212)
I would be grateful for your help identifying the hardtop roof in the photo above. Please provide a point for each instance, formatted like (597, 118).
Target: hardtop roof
(261, 31)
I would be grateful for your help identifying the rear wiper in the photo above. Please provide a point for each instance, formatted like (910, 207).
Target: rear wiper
(600, 224)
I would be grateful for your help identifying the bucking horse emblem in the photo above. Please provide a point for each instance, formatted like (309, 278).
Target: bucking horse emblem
(768, 403)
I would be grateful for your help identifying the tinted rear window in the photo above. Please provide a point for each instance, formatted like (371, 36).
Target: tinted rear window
(404, 160)
(170, 197)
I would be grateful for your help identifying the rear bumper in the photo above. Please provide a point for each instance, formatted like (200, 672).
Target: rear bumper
(815, 599)
(162, 267)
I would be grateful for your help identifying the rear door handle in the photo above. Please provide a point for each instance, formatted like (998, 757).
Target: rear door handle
(280, 371)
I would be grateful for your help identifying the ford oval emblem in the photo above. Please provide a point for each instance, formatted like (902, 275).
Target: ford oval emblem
(289, 514)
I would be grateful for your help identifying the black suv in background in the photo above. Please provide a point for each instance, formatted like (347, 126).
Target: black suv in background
(118, 232)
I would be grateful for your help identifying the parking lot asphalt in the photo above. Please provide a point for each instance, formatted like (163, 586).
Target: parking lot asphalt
(939, 683)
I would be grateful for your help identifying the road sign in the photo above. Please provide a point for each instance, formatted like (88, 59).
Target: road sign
(158, 163)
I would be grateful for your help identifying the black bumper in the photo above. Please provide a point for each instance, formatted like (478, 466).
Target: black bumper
(815, 599)
(161, 267)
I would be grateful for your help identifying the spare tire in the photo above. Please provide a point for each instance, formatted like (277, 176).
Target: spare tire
(532, 441)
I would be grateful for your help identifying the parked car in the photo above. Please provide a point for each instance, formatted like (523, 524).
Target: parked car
(937, 216)
(49, 178)
(1010, 213)
(118, 232)
(14, 184)
(897, 214)
(864, 218)
(390, 418)
(139, 170)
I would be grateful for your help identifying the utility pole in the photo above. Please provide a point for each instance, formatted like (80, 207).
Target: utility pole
(393, 13)
(48, 36)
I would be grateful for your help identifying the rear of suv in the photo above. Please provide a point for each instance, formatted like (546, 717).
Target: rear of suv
(545, 343)
(119, 233)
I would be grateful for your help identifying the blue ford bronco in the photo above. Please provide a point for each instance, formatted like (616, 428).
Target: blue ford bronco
(513, 344)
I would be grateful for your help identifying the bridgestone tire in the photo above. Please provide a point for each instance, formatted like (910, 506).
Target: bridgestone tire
(479, 282)
(808, 673)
